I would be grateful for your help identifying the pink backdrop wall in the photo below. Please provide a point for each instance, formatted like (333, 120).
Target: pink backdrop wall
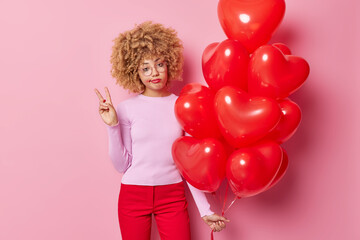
(56, 180)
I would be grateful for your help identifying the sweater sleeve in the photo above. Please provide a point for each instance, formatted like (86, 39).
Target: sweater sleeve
(120, 141)
(200, 201)
(199, 197)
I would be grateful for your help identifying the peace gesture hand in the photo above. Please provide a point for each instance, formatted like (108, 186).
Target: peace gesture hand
(106, 108)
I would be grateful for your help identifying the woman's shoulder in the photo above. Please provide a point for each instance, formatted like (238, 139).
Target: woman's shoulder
(128, 101)
(124, 105)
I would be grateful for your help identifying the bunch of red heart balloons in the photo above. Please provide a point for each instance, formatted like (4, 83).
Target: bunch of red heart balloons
(238, 123)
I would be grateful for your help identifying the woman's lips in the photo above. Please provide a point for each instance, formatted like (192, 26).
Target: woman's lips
(155, 80)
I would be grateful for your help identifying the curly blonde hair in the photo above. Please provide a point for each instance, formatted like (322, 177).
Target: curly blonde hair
(145, 40)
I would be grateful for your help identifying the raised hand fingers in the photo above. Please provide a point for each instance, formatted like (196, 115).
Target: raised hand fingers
(104, 106)
(108, 98)
(99, 95)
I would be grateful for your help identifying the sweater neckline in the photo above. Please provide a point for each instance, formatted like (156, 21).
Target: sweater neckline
(155, 98)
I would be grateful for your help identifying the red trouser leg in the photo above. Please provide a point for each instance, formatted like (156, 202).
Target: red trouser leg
(134, 210)
(170, 211)
(167, 202)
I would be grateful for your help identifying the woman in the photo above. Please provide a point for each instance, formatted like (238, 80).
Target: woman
(141, 131)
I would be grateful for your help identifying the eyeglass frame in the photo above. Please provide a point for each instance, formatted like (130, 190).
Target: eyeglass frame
(152, 67)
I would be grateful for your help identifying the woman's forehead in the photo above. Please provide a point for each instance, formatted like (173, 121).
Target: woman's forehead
(147, 60)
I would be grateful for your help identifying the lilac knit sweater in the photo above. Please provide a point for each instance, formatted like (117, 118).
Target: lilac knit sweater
(140, 144)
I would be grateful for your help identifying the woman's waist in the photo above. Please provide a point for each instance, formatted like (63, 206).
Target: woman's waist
(157, 185)
(151, 178)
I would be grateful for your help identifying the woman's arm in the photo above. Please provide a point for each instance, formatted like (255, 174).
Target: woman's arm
(120, 141)
(200, 200)
(199, 196)
(215, 221)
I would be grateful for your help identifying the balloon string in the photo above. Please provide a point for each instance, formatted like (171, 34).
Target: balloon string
(222, 210)
(217, 198)
(235, 198)
(225, 198)
(223, 207)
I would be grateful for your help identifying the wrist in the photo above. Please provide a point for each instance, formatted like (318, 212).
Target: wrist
(114, 124)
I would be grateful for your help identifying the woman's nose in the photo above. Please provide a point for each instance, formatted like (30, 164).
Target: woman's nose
(155, 72)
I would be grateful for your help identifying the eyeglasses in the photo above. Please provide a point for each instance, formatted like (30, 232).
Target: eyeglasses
(160, 67)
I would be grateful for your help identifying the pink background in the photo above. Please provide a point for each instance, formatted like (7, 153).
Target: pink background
(56, 179)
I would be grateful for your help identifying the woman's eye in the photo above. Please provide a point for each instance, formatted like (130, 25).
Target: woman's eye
(160, 64)
(145, 69)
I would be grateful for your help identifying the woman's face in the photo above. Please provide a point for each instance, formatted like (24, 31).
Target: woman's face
(153, 73)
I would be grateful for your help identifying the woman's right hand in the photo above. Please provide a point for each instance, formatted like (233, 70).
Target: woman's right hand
(106, 108)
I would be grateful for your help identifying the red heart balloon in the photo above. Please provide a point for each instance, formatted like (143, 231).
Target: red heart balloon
(251, 22)
(251, 170)
(244, 119)
(225, 64)
(283, 167)
(283, 48)
(289, 122)
(273, 74)
(202, 162)
(194, 110)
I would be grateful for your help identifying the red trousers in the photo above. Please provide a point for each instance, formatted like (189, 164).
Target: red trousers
(168, 204)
